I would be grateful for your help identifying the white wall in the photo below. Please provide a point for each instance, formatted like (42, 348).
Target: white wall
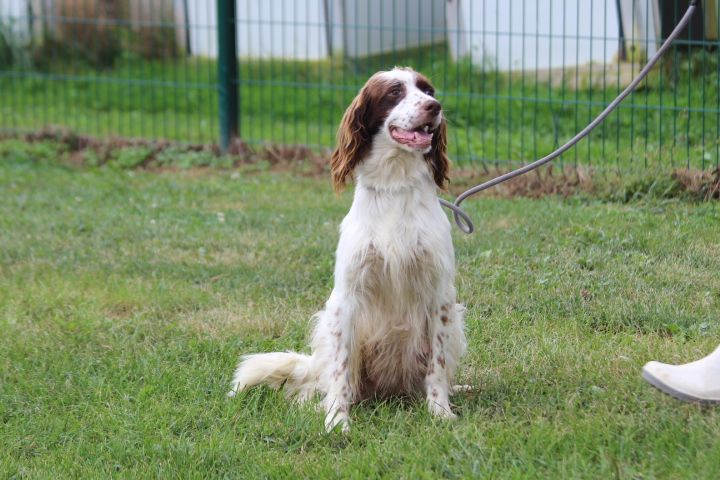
(282, 29)
(299, 29)
(641, 24)
(500, 34)
(291, 29)
(489, 31)
(15, 13)
(202, 21)
(376, 26)
(13, 8)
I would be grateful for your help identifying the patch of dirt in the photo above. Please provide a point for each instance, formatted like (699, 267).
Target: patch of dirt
(702, 184)
(83, 150)
(538, 183)
(105, 148)
(159, 155)
(288, 157)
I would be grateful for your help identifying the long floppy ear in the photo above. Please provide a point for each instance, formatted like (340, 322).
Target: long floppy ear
(437, 157)
(352, 140)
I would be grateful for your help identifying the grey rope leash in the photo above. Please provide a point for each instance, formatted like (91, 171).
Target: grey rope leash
(463, 220)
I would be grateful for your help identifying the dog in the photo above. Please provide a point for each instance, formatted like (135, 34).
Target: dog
(391, 325)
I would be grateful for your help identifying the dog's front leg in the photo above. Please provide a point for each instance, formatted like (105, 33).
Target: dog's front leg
(436, 379)
(335, 332)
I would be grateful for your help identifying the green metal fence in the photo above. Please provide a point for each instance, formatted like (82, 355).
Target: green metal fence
(515, 78)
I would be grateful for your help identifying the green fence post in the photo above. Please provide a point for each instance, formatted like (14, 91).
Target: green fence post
(227, 73)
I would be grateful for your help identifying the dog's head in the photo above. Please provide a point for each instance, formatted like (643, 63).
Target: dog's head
(399, 105)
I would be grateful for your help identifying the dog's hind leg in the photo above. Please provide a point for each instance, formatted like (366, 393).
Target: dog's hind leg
(332, 343)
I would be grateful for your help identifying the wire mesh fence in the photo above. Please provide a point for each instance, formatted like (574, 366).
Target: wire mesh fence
(515, 78)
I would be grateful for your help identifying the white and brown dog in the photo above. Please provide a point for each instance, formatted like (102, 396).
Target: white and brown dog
(391, 325)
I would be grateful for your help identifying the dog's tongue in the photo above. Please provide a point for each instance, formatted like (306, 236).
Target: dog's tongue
(412, 138)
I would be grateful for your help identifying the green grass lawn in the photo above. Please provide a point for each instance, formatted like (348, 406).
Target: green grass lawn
(672, 123)
(126, 298)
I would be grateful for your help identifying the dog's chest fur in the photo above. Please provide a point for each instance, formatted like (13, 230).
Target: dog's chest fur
(396, 270)
(393, 332)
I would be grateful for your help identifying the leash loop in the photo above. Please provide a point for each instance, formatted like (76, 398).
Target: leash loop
(463, 220)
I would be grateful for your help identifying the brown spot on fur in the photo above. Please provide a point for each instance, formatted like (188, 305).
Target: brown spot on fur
(444, 319)
(337, 333)
(444, 308)
(344, 364)
(345, 393)
(434, 393)
(431, 369)
(441, 360)
(337, 312)
(440, 339)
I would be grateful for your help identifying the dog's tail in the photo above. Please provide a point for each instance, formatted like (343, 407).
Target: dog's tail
(279, 369)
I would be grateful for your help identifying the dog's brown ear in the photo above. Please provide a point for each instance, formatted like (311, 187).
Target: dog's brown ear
(353, 139)
(437, 157)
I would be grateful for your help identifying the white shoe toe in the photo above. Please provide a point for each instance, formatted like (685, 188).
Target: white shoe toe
(692, 382)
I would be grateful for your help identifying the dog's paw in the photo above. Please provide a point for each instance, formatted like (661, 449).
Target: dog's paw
(335, 418)
(441, 411)
(461, 389)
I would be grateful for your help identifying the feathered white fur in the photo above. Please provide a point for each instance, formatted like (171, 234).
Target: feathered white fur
(391, 324)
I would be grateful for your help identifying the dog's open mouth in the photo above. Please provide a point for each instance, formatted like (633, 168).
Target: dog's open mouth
(420, 137)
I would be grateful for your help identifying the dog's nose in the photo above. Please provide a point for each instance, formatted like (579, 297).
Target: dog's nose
(432, 107)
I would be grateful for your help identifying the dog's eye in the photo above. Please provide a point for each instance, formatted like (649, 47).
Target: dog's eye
(429, 91)
(395, 92)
